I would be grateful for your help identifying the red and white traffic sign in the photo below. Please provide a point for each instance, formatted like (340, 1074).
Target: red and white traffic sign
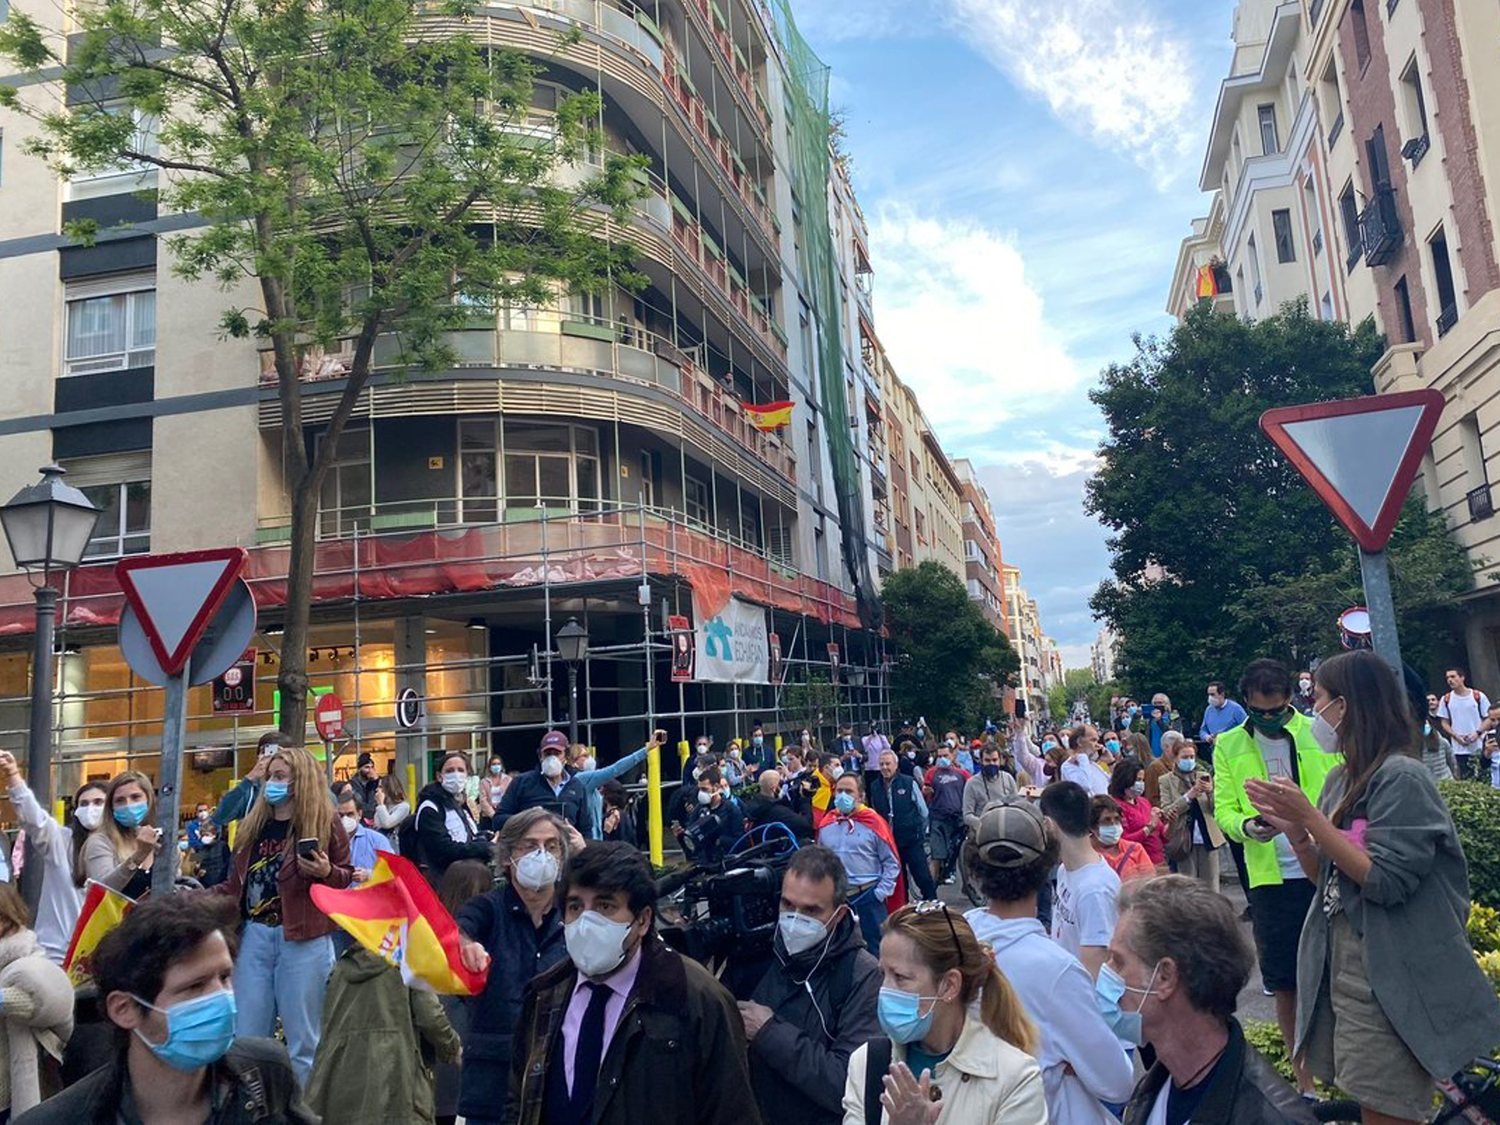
(1360, 455)
(175, 597)
(328, 717)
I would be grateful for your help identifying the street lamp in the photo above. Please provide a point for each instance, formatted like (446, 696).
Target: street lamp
(48, 526)
(573, 647)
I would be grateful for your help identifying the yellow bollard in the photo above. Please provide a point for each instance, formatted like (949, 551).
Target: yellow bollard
(682, 754)
(778, 745)
(411, 784)
(60, 811)
(653, 804)
(234, 827)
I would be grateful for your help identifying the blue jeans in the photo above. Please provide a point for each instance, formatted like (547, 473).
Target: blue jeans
(276, 977)
(871, 913)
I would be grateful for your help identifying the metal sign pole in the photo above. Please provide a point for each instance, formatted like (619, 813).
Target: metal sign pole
(1377, 579)
(169, 783)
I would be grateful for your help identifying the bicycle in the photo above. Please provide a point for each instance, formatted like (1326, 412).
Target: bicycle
(1471, 1095)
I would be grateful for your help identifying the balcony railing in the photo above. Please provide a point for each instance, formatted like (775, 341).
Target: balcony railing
(1481, 504)
(1447, 319)
(1380, 227)
(699, 245)
(732, 57)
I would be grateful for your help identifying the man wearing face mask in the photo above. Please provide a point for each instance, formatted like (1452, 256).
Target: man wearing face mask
(1276, 741)
(1177, 963)
(549, 786)
(164, 979)
(627, 1030)
(1221, 714)
(364, 842)
(515, 930)
(715, 825)
(816, 1003)
(862, 840)
(943, 787)
(898, 798)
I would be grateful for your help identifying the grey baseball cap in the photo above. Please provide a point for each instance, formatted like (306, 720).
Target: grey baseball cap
(1011, 834)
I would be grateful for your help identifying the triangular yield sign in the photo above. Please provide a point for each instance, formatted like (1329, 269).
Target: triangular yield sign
(176, 596)
(1360, 455)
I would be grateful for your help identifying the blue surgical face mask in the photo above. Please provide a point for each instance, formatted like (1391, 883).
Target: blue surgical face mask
(1109, 990)
(199, 1031)
(277, 792)
(944, 762)
(1426, 729)
(844, 802)
(132, 815)
(900, 1015)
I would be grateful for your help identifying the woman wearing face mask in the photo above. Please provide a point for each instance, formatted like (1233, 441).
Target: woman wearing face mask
(290, 839)
(515, 930)
(1187, 790)
(120, 856)
(590, 779)
(445, 828)
(934, 970)
(1143, 822)
(1437, 752)
(492, 787)
(1126, 858)
(1392, 978)
(60, 851)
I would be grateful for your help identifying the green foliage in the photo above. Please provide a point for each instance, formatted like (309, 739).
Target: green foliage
(1476, 814)
(1221, 553)
(1265, 1037)
(1484, 928)
(948, 658)
(366, 165)
(1077, 683)
(812, 701)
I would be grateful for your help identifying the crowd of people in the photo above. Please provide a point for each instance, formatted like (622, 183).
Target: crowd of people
(1092, 976)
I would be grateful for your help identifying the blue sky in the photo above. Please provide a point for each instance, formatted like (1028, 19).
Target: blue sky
(1028, 169)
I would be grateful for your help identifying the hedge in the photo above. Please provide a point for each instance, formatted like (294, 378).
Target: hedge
(1476, 814)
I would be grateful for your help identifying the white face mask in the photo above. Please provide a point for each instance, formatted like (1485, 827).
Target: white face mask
(1306, 686)
(705, 796)
(350, 824)
(90, 816)
(1324, 733)
(589, 765)
(1109, 834)
(552, 766)
(455, 782)
(1139, 787)
(596, 944)
(835, 772)
(799, 933)
(537, 869)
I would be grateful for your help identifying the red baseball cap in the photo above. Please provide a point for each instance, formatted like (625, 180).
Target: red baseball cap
(554, 740)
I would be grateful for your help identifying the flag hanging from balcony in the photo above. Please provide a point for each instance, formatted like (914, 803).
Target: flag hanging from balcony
(771, 416)
(1208, 282)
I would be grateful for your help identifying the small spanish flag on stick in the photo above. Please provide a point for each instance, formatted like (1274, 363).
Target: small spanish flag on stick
(771, 416)
(103, 910)
(397, 916)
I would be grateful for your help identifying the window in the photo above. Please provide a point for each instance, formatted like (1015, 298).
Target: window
(1253, 257)
(1266, 115)
(553, 468)
(345, 505)
(1442, 276)
(1404, 321)
(1325, 308)
(920, 523)
(142, 140)
(111, 325)
(119, 485)
(1331, 101)
(1361, 33)
(1281, 226)
(1314, 214)
(478, 472)
(1471, 448)
(695, 501)
(1349, 213)
(1414, 106)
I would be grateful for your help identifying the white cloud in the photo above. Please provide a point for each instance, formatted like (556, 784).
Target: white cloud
(1103, 66)
(963, 325)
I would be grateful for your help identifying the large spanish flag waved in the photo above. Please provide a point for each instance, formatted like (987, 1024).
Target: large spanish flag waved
(103, 910)
(771, 416)
(396, 915)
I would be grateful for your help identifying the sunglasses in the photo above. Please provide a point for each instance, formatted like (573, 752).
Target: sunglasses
(1269, 712)
(932, 905)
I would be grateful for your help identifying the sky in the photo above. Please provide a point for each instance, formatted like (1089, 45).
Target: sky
(1028, 169)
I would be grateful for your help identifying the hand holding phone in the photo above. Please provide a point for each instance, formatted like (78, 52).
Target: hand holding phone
(307, 847)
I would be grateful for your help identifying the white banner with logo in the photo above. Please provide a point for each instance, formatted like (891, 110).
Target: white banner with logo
(733, 644)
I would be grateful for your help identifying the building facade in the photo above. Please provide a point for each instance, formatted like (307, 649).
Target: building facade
(982, 559)
(587, 460)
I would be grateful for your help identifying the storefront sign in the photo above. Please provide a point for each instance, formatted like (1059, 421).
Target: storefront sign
(732, 645)
(234, 688)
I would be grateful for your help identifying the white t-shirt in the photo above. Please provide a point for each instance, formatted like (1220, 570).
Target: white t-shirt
(1465, 714)
(1083, 772)
(1159, 1109)
(1084, 911)
(1277, 753)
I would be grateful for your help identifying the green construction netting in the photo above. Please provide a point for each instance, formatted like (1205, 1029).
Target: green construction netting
(807, 90)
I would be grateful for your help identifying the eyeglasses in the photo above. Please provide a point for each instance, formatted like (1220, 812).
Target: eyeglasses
(929, 906)
(1269, 712)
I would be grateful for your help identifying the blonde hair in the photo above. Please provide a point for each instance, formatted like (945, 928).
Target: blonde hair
(942, 949)
(312, 812)
(123, 844)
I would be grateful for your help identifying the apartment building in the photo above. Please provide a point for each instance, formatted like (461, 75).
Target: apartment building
(587, 460)
(1265, 238)
(1410, 102)
(1103, 654)
(982, 561)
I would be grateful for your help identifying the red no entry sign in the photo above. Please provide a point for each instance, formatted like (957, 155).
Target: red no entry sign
(329, 717)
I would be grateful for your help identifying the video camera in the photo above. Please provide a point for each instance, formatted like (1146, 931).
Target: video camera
(730, 908)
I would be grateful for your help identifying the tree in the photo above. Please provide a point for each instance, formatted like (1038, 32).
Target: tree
(1220, 551)
(365, 165)
(1076, 685)
(948, 658)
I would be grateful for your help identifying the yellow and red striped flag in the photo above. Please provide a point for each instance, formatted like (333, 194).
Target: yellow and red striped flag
(397, 916)
(770, 416)
(103, 910)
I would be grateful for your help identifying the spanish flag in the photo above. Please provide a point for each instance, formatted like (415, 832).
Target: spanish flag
(771, 416)
(103, 910)
(397, 916)
(1208, 282)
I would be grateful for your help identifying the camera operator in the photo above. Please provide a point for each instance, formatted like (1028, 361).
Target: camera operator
(714, 825)
(816, 1003)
